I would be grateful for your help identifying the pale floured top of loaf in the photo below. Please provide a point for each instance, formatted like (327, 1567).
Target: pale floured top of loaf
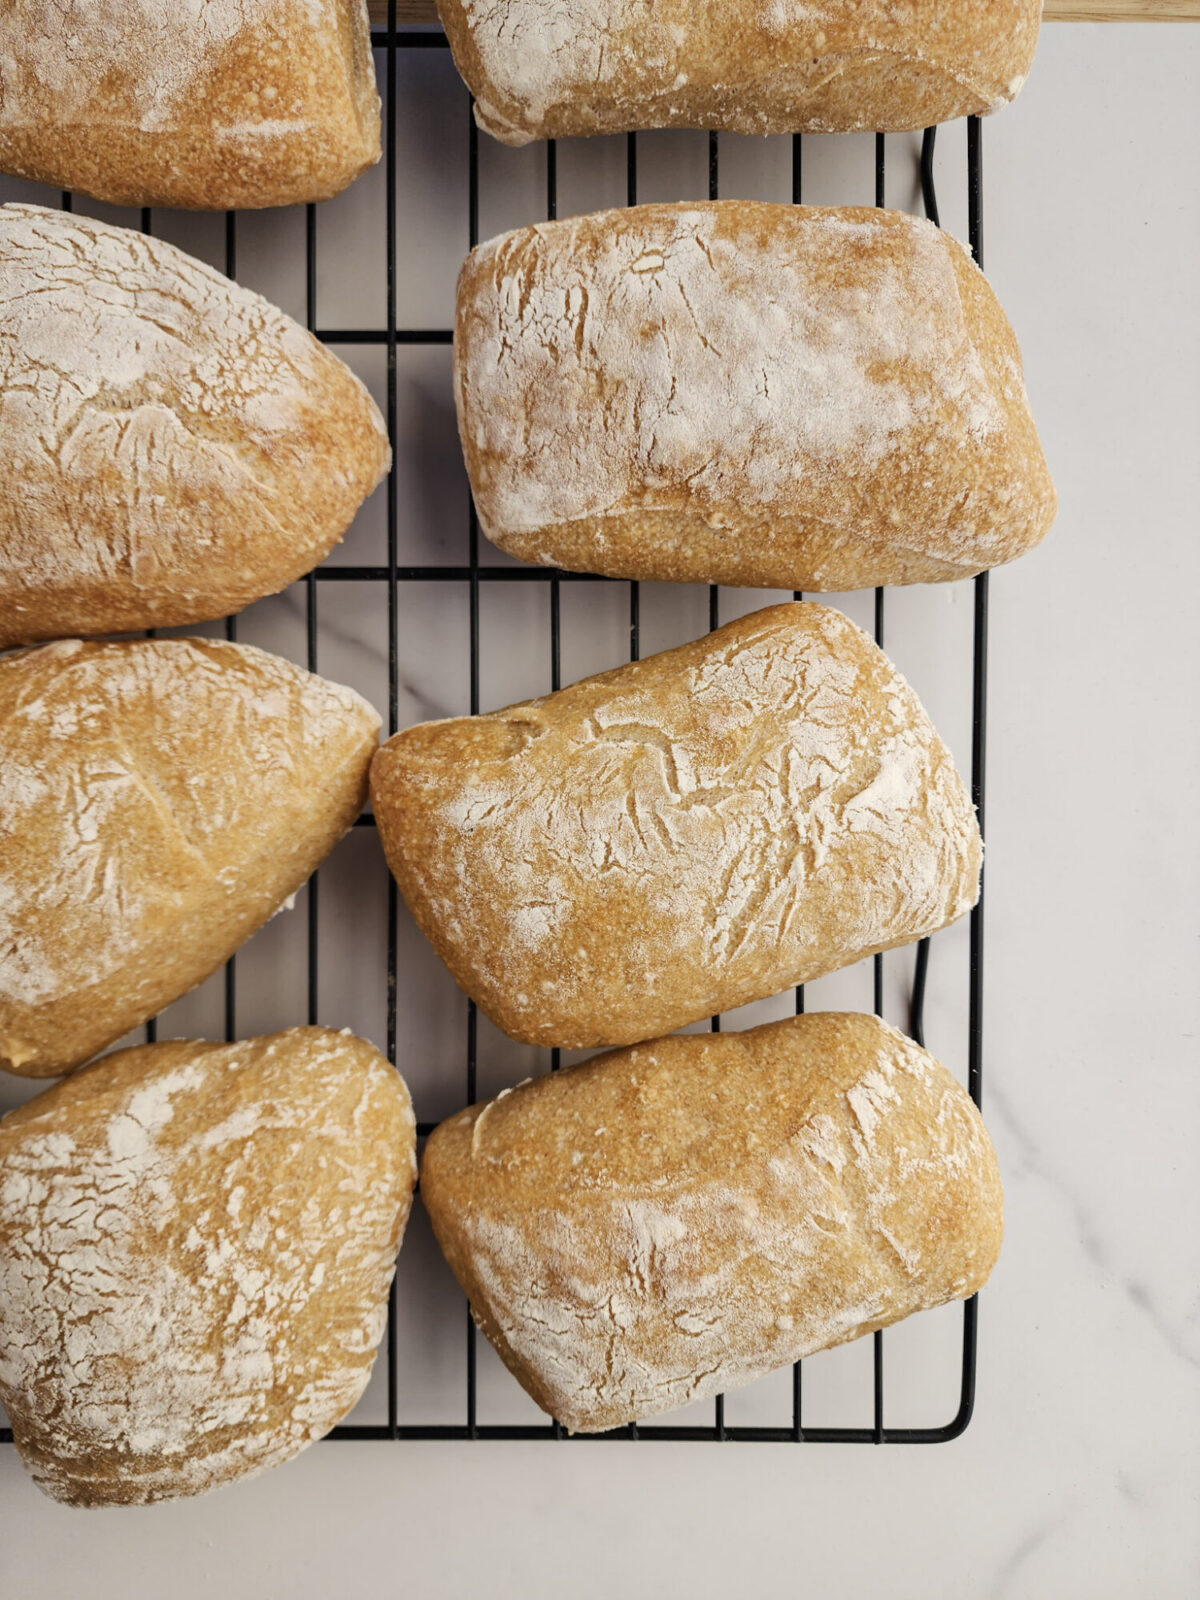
(546, 67)
(74, 49)
(94, 319)
(128, 364)
(69, 53)
(66, 771)
(155, 795)
(684, 1216)
(682, 835)
(740, 363)
(542, 52)
(196, 1243)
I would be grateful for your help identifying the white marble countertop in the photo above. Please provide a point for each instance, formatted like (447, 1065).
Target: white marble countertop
(1080, 1473)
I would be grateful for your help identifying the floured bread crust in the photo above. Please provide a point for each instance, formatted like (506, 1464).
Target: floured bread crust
(197, 104)
(682, 1217)
(682, 835)
(196, 1247)
(547, 69)
(159, 800)
(172, 447)
(775, 396)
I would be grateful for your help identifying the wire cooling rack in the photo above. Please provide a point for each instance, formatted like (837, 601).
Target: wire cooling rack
(398, 587)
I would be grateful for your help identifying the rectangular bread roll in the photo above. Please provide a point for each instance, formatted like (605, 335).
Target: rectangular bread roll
(775, 396)
(159, 800)
(682, 835)
(542, 71)
(204, 106)
(679, 1218)
(172, 446)
(196, 1246)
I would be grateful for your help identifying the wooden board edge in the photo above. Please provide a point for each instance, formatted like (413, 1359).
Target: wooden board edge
(1122, 11)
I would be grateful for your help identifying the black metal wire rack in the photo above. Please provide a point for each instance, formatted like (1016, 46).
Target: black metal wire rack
(396, 580)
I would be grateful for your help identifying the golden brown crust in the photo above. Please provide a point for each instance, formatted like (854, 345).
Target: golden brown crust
(812, 398)
(679, 1218)
(159, 800)
(196, 1245)
(236, 103)
(172, 447)
(547, 71)
(682, 835)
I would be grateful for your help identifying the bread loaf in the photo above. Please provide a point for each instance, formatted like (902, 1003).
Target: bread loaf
(196, 1246)
(159, 800)
(222, 103)
(681, 836)
(679, 1218)
(775, 396)
(750, 66)
(172, 447)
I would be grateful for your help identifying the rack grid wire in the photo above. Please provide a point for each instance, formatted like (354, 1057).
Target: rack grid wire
(388, 41)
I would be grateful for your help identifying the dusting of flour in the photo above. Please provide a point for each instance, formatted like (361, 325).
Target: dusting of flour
(124, 841)
(815, 1202)
(76, 48)
(673, 358)
(193, 1281)
(709, 826)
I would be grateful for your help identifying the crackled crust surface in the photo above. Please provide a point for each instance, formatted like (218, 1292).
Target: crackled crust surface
(682, 835)
(775, 396)
(196, 1246)
(172, 447)
(159, 800)
(204, 104)
(679, 1218)
(546, 69)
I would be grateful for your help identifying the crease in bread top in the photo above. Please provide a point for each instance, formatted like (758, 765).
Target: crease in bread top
(172, 446)
(681, 1217)
(196, 1245)
(811, 398)
(682, 835)
(159, 801)
(545, 69)
(211, 105)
